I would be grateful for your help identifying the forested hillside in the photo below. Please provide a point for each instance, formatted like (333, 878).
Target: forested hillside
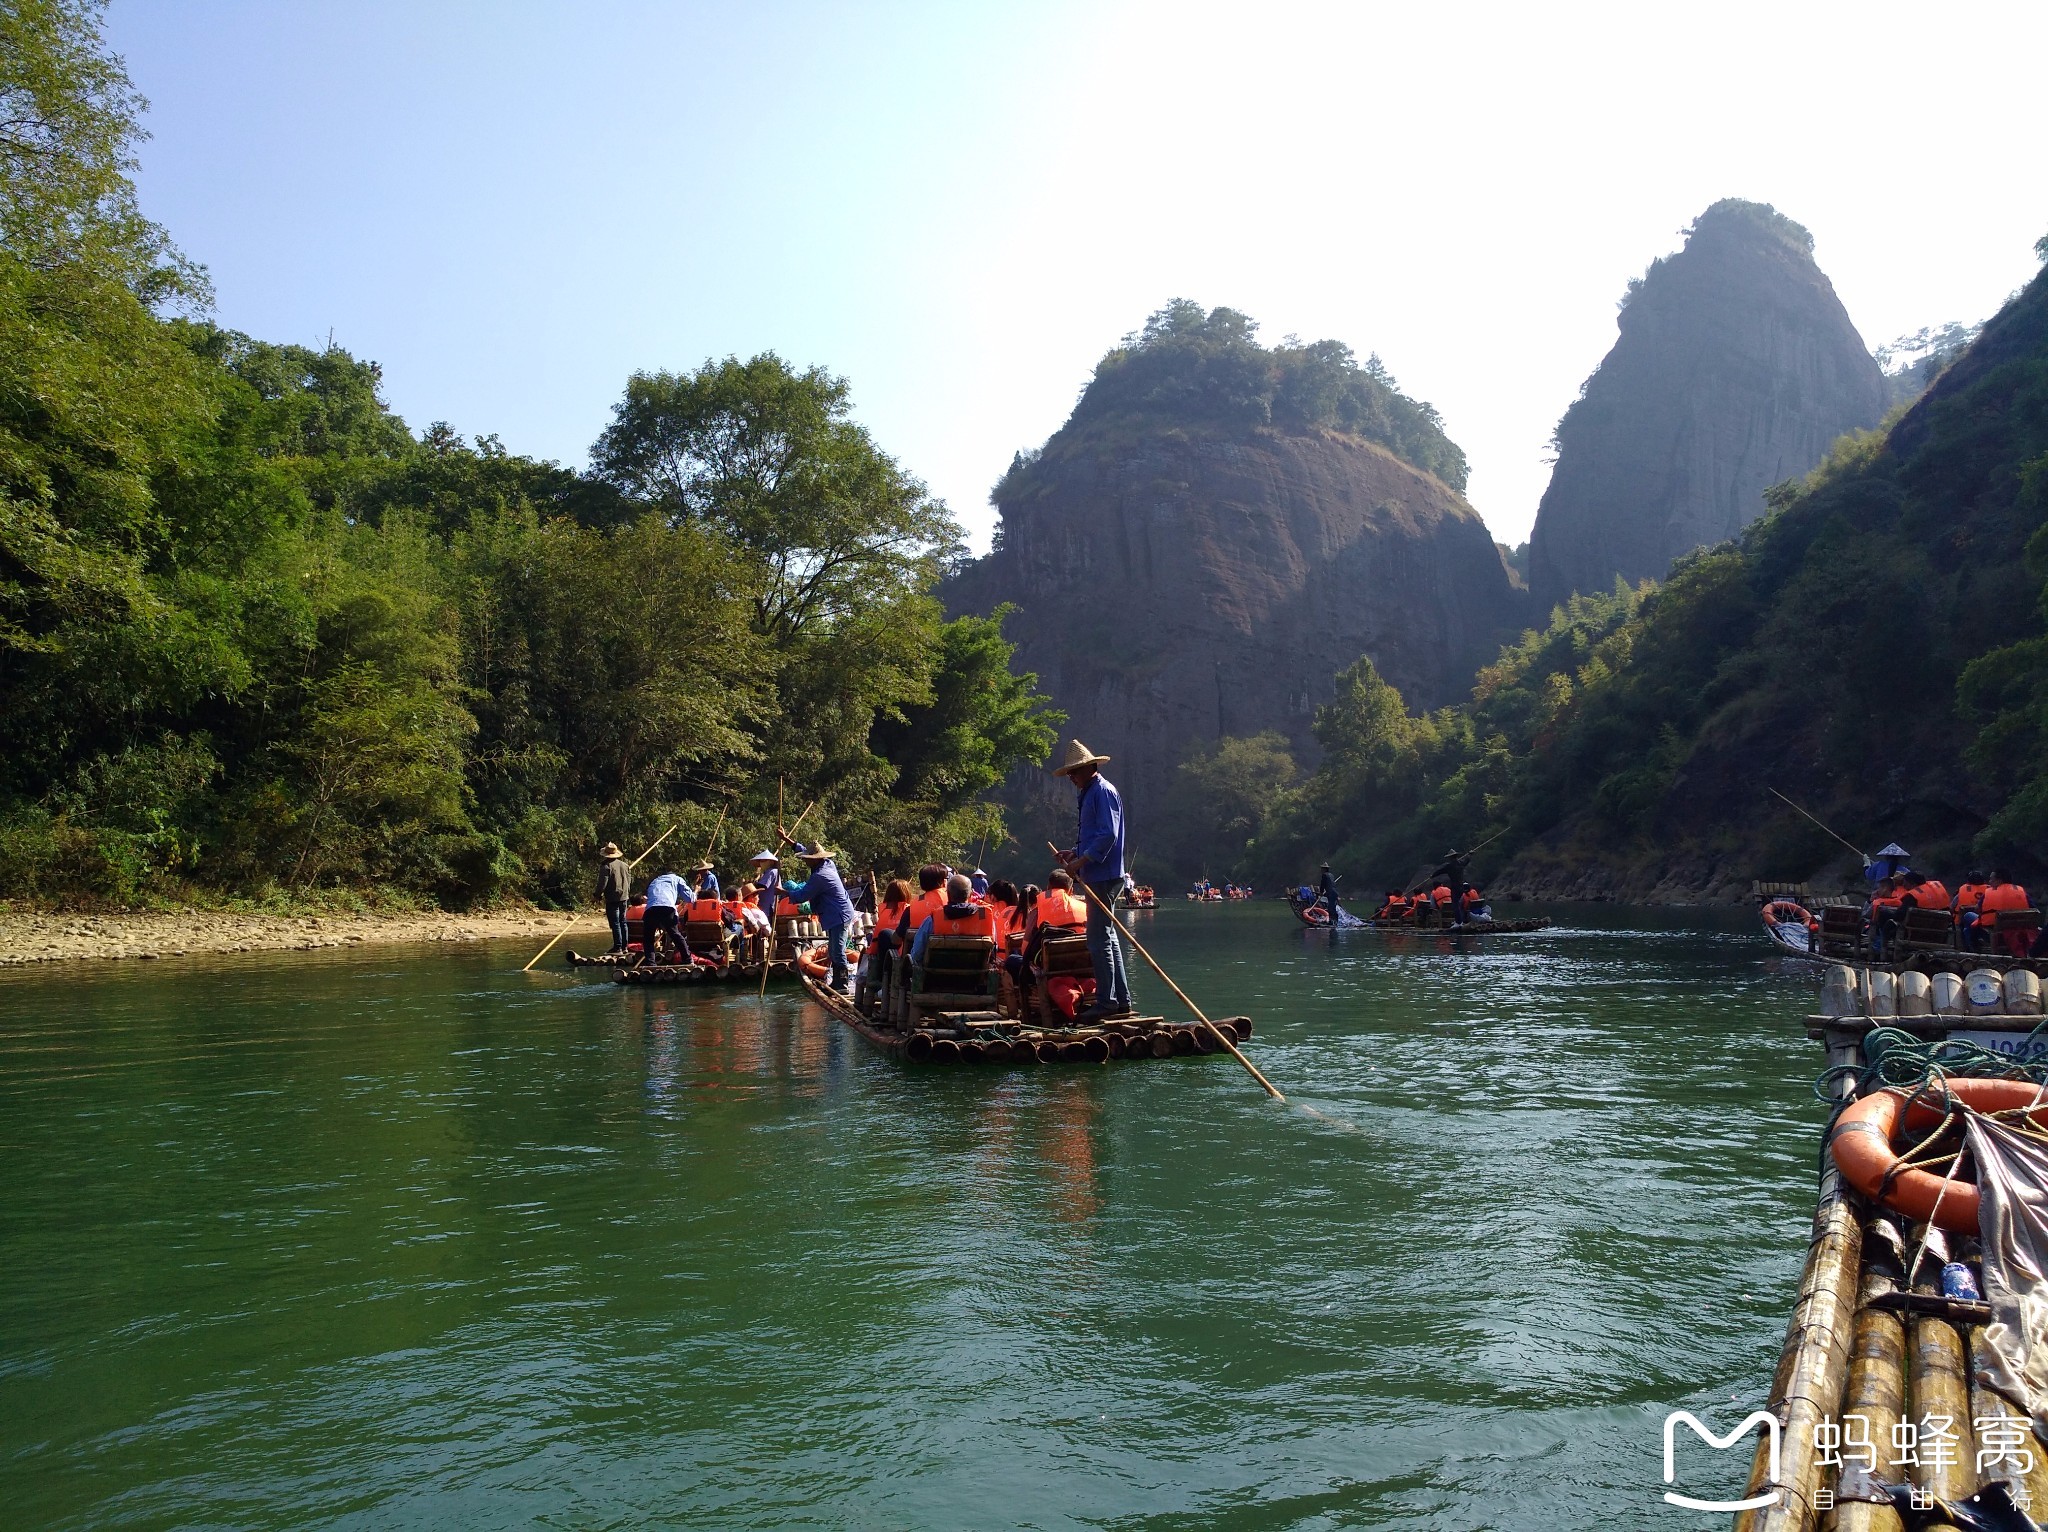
(1873, 647)
(257, 637)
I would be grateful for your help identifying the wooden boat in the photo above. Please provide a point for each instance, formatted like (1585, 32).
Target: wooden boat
(988, 1037)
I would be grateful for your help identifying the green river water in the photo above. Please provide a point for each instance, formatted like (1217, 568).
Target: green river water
(403, 1238)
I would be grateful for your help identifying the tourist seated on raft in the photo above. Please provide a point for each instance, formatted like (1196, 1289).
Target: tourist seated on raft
(1393, 906)
(1002, 900)
(931, 895)
(958, 916)
(1881, 915)
(2005, 897)
(1968, 897)
(889, 911)
(1476, 907)
(1059, 908)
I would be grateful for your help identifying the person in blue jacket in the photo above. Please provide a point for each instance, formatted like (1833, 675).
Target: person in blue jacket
(1097, 860)
(823, 891)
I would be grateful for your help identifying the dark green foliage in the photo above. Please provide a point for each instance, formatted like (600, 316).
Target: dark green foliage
(1186, 366)
(256, 637)
(1872, 647)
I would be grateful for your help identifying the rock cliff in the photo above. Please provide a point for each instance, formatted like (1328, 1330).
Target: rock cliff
(1177, 584)
(1735, 369)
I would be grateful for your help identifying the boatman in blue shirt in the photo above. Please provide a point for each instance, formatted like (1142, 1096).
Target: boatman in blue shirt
(823, 891)
(1098, 861)
(660, 916)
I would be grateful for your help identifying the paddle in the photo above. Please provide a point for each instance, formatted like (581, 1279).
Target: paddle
(643, 856)
(1220, 1035)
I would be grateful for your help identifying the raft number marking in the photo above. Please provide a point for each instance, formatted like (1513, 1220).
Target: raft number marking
(1771, 1429)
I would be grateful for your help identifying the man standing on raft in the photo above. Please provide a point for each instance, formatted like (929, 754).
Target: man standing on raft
(1098, 861)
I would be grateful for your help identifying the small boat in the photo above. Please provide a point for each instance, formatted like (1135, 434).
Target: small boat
(1311, 914)
(1314, 916)
(987, 1036)
(1141, 897)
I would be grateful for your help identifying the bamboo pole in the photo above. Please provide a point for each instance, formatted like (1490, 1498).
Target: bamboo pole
(643, 856)
(1813, 1363)
(1823, 828)
(1250, 1068)
(1876, 1390)
(1941, 1386)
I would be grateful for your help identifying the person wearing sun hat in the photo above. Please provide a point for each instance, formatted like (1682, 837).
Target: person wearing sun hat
(704, 880)
(825, 893)
(615, 890)
(1097, 859)
(767, 880)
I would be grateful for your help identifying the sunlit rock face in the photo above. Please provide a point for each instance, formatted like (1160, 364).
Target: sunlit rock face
(1735, 369)
(1173, 586)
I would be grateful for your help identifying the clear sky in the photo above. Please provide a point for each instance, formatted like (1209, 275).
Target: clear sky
(959, 206)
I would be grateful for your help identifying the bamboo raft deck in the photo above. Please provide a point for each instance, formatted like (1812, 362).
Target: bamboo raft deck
(984, 1037)
(1872, 1337)
(697, 973)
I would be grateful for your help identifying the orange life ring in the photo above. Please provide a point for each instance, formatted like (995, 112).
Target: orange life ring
(814, 964)
(1783, 912)
(1315, 915)
(1862, 1146)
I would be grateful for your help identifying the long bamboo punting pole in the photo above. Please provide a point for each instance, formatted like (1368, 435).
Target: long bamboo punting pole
(643, 856)
(1250, 1068)
(1876, 1390)
(1940, 1385)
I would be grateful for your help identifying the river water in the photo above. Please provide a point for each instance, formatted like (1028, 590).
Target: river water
(402, 1237)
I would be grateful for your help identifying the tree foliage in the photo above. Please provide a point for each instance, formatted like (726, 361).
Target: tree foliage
(257, 636)
(1190, 366)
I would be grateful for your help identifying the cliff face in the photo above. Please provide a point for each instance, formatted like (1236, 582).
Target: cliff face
(1174, 586)
(1735, 369)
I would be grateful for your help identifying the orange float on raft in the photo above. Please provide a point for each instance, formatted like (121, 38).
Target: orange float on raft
(1862, 1146)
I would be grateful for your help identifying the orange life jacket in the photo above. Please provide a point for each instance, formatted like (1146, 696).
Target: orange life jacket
(1930, 895)
(1057, 907)
(930, 902)
(1888, 901)
(885, 921)
(787, 908)
(1968, 895)
(2000, 897)
(705, 911)
(1441, 893)
(978, 921)
(1471, 897)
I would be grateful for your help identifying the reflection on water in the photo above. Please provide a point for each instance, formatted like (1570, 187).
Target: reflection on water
(365, 1238)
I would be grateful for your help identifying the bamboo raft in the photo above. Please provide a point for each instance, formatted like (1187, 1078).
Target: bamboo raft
(1871, 1336)
(985, 1037)
(1489, 927)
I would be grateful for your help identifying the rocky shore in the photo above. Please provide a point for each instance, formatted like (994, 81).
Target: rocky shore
(27, 937)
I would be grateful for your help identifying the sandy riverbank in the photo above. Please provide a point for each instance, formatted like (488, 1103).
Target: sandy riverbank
(36, 938)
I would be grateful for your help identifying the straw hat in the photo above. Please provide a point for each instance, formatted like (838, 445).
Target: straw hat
(609, 850)
(762, 856)
(816, 852)
(705, 866)
(1078, 755)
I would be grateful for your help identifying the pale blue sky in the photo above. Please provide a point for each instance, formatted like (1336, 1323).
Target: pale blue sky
(960, 206)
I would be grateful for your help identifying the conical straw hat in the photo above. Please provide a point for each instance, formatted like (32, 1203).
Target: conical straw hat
(1078, 755)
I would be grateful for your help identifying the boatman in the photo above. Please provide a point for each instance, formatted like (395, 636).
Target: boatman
(615, 889)
(767, 880)
(1326, 893)
(659, 918)
(826, 895)
(705, 880)
(1097, 860)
